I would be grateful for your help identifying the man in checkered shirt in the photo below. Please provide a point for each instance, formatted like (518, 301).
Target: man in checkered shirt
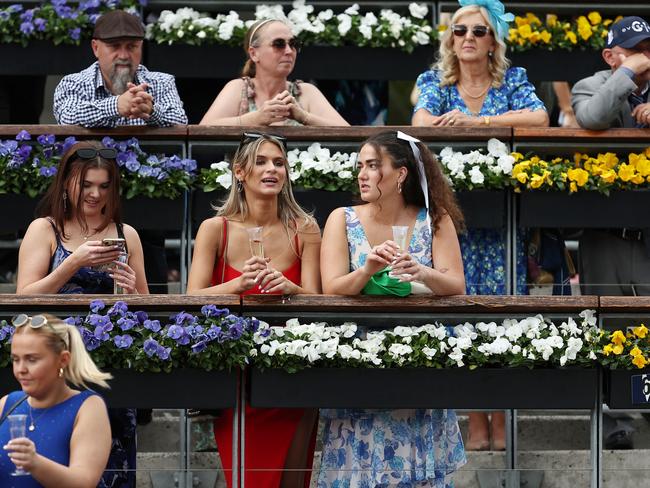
(117, 89)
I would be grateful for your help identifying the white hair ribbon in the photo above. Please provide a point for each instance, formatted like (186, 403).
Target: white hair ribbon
(422, 175)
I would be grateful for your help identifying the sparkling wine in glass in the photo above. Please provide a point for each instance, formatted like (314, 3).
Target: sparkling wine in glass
(400, 233)
(17, 424)
(255, 241)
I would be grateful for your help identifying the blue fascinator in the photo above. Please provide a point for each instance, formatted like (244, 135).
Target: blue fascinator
(498, 16)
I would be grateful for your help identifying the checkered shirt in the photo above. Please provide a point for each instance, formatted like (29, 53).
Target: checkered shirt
(82, 99)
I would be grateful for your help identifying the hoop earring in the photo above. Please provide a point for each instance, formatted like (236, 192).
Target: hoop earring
(65, 201)
(240, 186)
(60, 372)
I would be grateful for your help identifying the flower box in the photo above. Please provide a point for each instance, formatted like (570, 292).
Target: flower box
(624, 388)
(319, 62)
(18, 211)
(182, 388)
(44, 58)
(483, 209)
(588, 209)
(154, 213)
(570, 388)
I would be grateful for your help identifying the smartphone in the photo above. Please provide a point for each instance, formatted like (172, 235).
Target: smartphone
(115, 241)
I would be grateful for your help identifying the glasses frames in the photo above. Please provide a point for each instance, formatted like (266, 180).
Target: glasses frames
(281, 44)
(91, 153)
(248, 137)
(460, 30)
(36, 322)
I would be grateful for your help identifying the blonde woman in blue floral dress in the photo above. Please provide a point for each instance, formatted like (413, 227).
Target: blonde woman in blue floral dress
(402, 184)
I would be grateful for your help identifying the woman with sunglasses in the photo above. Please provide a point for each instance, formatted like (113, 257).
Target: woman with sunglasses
(227, 261)
(68, 437)
(63, 252)
(263, 96)
(401, 185)
(472, 85)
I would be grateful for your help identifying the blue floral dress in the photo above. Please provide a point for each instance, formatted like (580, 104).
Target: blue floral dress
(389, 448)
(484, 250)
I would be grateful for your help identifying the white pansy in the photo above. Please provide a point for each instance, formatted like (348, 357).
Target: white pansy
(201, 34)
(325, 15)
(496, 148)
(589, 317)
(225, 180)
(419, 11)
(353, 9)
(429, 352)
(366, 31)
(476, 176)
(421, 38)
(345, 23)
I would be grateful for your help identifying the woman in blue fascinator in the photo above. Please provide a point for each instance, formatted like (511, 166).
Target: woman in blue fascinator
(472, 85)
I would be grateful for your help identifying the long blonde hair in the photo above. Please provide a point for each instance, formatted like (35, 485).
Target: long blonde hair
(60, 337)
(448, 62)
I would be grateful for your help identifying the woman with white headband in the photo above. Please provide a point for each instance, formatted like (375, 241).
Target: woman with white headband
(402, 185)
(263, 95)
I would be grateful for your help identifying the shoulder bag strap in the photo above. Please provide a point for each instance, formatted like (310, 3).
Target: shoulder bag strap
(12, 408)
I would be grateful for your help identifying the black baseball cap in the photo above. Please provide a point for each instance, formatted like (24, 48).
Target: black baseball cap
(628, 32)
(118, 24)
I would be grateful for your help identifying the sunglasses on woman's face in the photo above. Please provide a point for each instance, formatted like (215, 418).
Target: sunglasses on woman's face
(91, 153)
(460, 30)
(281, 44)
(248, 137)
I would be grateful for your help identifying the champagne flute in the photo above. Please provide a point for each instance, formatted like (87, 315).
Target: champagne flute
(17, 424)
(400, 235)
(255, 241)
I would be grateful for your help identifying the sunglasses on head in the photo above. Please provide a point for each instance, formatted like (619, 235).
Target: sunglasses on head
(248, 137)
(91, 153)
(281, 44)
(35, 322)
(460, 30)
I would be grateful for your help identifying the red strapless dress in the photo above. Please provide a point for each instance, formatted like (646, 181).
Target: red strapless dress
(269, 431)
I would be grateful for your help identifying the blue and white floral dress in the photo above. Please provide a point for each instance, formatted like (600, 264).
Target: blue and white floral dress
(484, 250)
(389, 448)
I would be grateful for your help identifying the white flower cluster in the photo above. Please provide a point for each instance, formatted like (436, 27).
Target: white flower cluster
(389, 29)
(478, 170)
(315, 167)
(532, 341)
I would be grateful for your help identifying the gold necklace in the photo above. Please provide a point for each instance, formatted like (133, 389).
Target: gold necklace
(474, 96)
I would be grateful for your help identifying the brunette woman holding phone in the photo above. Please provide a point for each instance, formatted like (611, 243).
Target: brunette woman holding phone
(64, 251)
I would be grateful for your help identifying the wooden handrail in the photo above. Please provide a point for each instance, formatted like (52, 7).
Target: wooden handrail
(140, 132)
(556, 134)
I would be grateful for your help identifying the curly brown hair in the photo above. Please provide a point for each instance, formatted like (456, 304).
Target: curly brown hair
(442, 200)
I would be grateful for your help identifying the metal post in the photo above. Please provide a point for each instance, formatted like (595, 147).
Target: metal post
(597, 436)
(242, 429)
(186, 240)
(235, 435)
(184, 452)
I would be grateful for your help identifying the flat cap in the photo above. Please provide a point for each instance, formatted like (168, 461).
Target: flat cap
(118, 24)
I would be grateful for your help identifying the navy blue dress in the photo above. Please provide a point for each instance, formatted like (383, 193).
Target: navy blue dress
(53, 429)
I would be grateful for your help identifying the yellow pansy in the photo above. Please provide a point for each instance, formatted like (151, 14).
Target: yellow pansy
(512, 34)
(618, 17)
(573, 187)
(594, 18)
(642, 165)
(442, 27)
(517, 156)
(562, 176)
(536, 181)
(607, 22)
(609, 159)
(519, 21)
(635, 351)
(545, 36)
(584, 28)
(607, 350)
(618, 349)
(608, 176)
(551, 20)
(618, 337)
(571, 37)
(525, 31)
(579, 175)
(638, 179)
(533, 19)
(534, 37)
(626, 172)
(641, 331)
(639, 361)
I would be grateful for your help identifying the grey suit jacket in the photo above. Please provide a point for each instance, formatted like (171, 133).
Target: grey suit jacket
(600, 101)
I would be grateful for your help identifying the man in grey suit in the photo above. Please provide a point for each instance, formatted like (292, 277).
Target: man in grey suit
(617, 261)
(618, 97)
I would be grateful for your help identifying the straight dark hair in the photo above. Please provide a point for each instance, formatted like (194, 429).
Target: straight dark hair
(56, 203)
(442, 200)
